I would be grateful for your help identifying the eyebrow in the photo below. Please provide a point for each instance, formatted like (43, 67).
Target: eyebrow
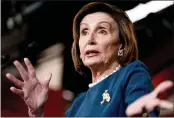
(104, 22)
(97, 23)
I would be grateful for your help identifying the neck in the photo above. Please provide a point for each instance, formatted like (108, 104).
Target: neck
(103, 70)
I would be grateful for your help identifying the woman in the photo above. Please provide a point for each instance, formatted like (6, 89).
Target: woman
(104, 42)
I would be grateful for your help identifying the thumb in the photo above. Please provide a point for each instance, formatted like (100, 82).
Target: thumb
(162, 87)
(47, 81)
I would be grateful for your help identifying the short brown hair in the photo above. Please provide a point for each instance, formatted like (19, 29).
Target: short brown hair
(126, 32)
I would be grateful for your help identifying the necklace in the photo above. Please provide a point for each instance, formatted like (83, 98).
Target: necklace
(99, 80)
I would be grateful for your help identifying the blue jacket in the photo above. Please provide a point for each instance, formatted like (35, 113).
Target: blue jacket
(124, 87)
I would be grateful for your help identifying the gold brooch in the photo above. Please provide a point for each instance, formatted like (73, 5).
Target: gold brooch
(145, 115)
(106, 97)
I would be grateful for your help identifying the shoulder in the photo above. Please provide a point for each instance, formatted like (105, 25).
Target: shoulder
(135, 70)
(136, 65)
(138, 78)
(136, 74)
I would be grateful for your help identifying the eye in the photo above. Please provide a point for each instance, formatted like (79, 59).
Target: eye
(84, 32)
(103, 32)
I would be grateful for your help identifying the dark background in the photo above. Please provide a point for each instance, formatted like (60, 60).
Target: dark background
(51, 23)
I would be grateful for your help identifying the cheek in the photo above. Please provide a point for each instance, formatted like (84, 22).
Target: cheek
(81, 48)
(109, 50)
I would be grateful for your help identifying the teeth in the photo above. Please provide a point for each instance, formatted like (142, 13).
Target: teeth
(92, 52)
(88, 53)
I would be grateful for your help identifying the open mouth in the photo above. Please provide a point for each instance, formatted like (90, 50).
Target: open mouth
(90, 53)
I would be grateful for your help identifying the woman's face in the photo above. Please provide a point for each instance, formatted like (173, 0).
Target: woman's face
(99, 39)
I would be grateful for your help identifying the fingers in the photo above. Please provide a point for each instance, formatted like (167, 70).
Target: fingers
(47, 81)
(166, 105)
(163, 104)
(148, 105)
(162, 87)
(14, 80)
(151, 105)
(30, 67)
(21, 70)
(150, 101)
(134, 112)
(135, 108)
(141, 106)
(17, 91)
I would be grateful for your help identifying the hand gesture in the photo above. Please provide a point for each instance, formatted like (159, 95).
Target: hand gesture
(150, 101)
(30, 89)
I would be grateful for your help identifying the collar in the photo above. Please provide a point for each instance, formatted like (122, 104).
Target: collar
(99, 80)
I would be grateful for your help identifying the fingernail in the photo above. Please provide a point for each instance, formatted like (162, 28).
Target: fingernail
(15, 62)
(25, 59)
(8, 75)
(11, 88)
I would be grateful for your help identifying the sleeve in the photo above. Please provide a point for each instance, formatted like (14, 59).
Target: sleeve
(74, 107)
(139, 83)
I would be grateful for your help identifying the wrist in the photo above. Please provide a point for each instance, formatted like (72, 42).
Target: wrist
(36, 113)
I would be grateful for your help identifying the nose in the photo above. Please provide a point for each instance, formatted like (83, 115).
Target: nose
(92, 39)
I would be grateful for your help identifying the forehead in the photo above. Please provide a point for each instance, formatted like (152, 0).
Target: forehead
(97, 17)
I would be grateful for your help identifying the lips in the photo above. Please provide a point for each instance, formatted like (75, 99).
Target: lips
(90, 53)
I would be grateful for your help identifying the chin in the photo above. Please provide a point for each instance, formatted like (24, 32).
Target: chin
(91, 63)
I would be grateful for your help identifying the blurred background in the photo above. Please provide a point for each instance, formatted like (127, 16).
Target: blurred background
(42, 31)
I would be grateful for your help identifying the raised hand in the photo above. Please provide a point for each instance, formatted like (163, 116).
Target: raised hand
(30, 89)
(150, 101)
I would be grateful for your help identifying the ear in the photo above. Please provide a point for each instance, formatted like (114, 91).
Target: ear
(80, 56)
(120, 46)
